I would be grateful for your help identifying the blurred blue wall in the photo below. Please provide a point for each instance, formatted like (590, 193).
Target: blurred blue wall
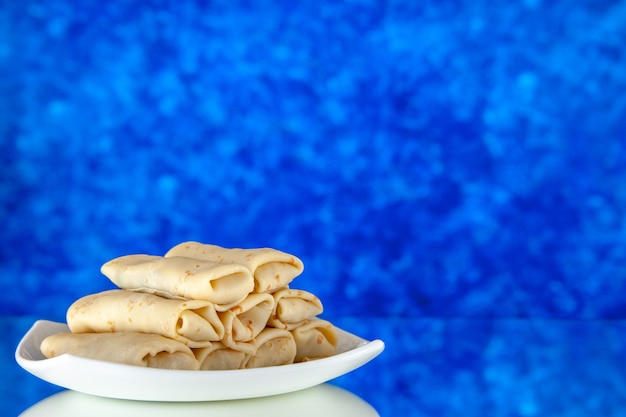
(456, 158)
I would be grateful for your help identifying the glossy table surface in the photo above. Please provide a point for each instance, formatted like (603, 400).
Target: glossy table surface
(430, 367)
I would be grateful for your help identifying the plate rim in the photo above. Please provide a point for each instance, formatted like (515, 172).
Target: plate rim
(315, 372)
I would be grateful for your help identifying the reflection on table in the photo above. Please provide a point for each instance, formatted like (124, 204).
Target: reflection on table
(322, 400)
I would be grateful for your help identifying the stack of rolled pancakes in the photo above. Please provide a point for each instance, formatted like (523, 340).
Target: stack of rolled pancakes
(200, 306)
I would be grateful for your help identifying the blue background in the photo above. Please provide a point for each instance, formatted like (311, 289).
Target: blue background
(426, 160)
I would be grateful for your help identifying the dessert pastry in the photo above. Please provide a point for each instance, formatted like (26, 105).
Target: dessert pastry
(130, 348)
(293, 307)
(193, 322)
(271, 268)
(180, 277)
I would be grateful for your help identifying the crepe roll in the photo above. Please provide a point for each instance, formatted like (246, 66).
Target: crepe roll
(292, 307)
(315, 338)
(274, 347)
(180, 277)
(130, 348)
(271, 268)
(244, 321)
(218, 356)
(193, 322)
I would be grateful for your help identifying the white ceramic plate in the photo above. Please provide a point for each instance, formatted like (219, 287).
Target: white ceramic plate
(113, 380)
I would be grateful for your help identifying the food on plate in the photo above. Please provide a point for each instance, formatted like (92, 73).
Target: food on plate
(316, 338)
(218, 356)
(179, 277)
(193, 322)
(274, 347)
(292, 307)
(199, 307)
(244, 321)
(130, 348)
(271, 268)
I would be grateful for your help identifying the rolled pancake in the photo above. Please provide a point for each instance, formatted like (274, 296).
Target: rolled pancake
(274, 347)
(244, 321)
(193, 322)
(179, 277)
(139, 349)
(271, 268)
(292, 307)
(218, 356)
(315, 338)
